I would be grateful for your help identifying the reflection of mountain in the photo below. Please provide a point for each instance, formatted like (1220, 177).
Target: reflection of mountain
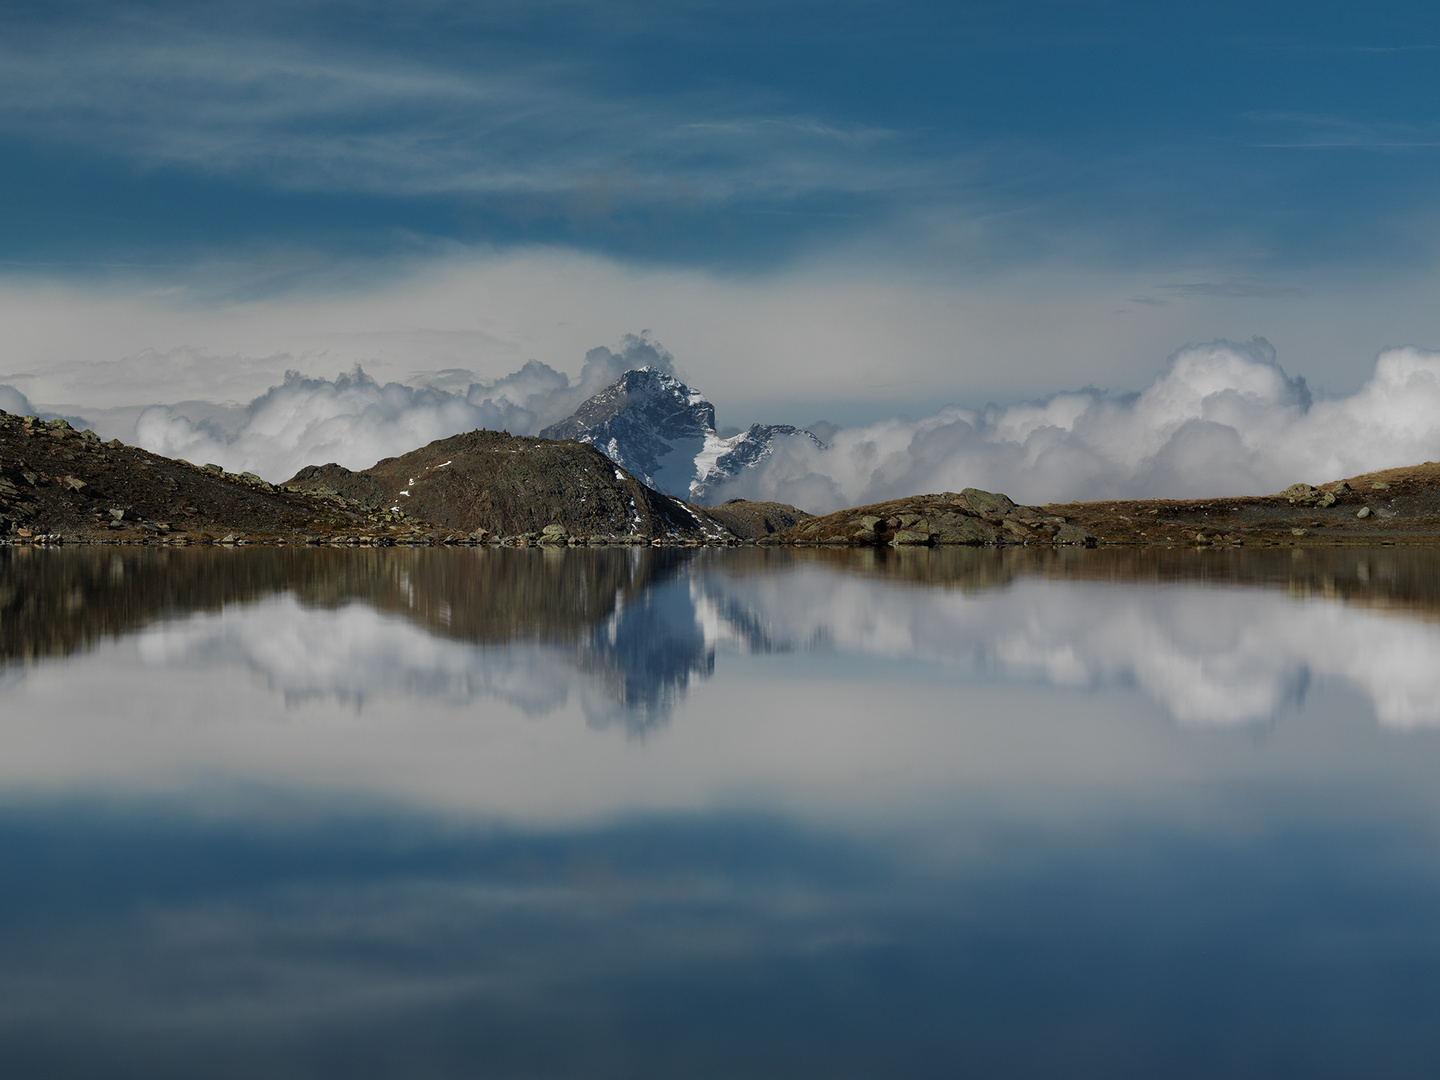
(622, 617)
(626, 630)
(647, 651)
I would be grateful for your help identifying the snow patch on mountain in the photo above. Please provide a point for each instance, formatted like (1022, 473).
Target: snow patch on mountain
(663, 433)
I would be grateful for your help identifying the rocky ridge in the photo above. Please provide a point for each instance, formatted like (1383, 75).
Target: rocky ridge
(62, 485)
(971, 517)
(1393, 506)
(487, 484)
(57, 483)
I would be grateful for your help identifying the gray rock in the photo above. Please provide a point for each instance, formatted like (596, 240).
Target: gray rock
(959, 529)
(1300, 493)
(987, 502)
(1070, 533)
(1363, 512)
(871, 522)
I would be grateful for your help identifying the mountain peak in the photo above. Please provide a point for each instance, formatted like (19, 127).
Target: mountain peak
(662, 431)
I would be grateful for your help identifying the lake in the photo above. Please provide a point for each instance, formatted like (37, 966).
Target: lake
(719, 813)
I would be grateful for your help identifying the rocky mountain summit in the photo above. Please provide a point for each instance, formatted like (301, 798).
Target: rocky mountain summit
(59, 485)
(663, 432)
(487, 483)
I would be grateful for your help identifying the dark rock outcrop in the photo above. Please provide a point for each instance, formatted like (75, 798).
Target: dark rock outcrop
(507, 485)
(971, 517)
(56, 482)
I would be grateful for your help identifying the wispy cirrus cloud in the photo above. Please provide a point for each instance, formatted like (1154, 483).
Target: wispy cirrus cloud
(339, 116)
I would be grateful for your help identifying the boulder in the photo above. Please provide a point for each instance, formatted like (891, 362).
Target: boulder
(987, 502)
(1070, 533)
(1301, 493)
(959, 529)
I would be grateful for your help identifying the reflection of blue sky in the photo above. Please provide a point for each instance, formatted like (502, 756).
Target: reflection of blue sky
(715, 946)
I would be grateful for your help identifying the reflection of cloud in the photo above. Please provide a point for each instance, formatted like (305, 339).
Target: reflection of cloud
(631, 669)
(354, 653)
(1207, 655)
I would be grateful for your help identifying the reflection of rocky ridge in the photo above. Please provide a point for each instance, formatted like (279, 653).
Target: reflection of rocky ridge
(622, 617)
(53, 602)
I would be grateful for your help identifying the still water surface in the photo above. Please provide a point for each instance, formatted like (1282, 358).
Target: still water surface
(707, 813)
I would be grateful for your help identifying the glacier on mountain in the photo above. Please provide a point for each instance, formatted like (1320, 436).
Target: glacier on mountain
(663, 433)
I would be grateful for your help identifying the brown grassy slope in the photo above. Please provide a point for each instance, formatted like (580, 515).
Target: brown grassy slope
(752, 520)
(1402, 506)
(509, 485)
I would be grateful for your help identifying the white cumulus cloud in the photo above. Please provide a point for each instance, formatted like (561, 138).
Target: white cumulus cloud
(355, 420)
(1223, 418)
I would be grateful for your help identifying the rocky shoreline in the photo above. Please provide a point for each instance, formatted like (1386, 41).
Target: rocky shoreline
(62, 486)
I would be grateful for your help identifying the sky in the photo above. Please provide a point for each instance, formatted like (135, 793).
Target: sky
(847, 212)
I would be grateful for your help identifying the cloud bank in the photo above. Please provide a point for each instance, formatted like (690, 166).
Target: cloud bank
(356, 421)
(1222, 418)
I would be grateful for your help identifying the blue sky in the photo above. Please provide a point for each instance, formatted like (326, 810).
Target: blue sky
(988, 201)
